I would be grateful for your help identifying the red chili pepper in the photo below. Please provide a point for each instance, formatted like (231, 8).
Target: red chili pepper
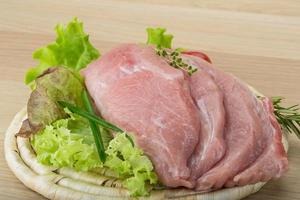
(198, 54)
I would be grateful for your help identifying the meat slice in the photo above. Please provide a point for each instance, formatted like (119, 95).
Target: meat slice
(179, 121)
(273, 161)
(211, 146)
(138, 91)
(246, 130)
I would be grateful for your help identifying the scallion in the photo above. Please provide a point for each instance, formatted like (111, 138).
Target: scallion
(94, 127)
(89, 116)
(94, 118)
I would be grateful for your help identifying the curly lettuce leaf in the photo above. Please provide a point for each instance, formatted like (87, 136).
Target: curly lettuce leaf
(131, 164)
(64, 145)
(158, 37)
(72, 49)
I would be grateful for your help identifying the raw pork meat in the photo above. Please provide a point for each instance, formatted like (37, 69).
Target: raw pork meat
(138, 91)
(272, 162)
(205, 132)
(247, 130)
(211, 146)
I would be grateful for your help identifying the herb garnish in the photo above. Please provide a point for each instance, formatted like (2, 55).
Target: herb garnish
(94, 127)
(288, 117)
(163, 42)
(174, 59)
(94, 118)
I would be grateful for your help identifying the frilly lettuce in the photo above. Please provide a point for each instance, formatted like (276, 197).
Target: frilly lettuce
(131, 165)
(69, 143)
(71, 49)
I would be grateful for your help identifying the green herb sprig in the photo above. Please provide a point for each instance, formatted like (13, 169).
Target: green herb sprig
(174, 59)
(94, 127)
(288, 117)
(163, 41)
(94, 118)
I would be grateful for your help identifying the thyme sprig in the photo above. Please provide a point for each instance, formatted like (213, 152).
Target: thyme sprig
(174, 59)
(288, 117)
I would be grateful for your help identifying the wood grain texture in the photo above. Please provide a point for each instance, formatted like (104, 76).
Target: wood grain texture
(257, 40)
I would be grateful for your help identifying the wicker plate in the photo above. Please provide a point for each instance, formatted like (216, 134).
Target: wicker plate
(65, 183)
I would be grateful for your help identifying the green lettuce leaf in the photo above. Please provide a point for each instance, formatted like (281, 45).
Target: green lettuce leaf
(64, 145)
(69, 143)
(71, 49)
(131, 164)
(56, 84)
(158, 37)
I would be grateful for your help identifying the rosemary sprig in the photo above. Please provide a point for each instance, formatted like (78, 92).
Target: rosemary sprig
(288, 117)
(174, 59)
(94, 127)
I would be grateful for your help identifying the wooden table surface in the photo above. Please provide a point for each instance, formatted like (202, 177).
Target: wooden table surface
(257, 40)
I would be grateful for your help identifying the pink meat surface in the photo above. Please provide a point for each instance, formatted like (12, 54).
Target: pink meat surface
(247, 130)
(211, 146)
(273, 161)
(138, 91)
(204, 132)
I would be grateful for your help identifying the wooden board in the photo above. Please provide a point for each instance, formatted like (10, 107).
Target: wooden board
(257, 40)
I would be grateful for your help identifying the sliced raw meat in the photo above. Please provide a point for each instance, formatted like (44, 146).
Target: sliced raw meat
(164, 109)
(246, 130)
(273, 161)
(138, 91)
(211, 147)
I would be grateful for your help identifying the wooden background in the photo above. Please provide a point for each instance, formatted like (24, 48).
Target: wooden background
(257, 40)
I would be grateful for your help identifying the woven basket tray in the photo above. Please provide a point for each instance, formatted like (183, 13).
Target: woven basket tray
(68, 184)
